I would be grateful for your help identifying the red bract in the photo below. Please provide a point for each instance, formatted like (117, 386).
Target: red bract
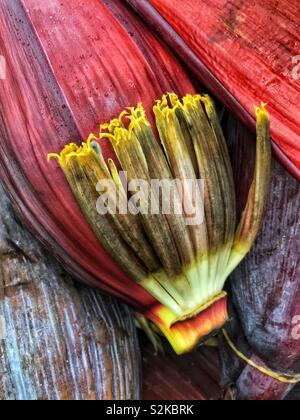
(69, 66)
(242, 51)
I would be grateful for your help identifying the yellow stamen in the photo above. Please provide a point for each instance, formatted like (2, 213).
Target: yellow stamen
(286, 379)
